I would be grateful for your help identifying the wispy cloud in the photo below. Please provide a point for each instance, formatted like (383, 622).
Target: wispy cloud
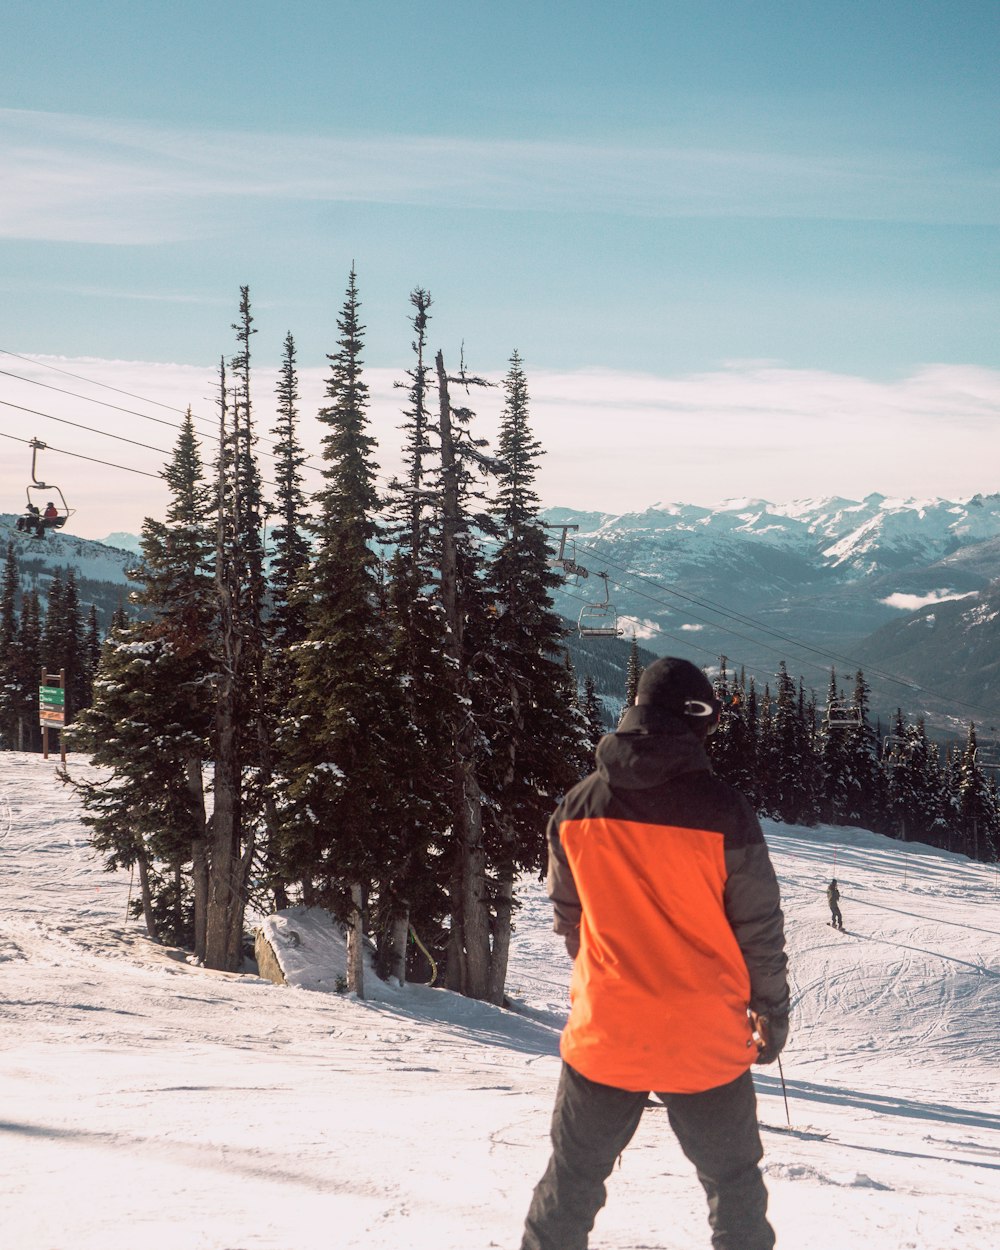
(75, 178)
(614, 441)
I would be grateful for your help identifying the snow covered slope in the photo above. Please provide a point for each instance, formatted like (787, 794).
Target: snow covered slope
(148, 1102)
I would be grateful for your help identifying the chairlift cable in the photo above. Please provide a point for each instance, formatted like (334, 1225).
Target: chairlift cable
(78, 456)
(79, 426)
(90, 399)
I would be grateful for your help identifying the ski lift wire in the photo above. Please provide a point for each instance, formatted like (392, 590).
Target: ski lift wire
(77, 456)
(307, 461)
(90, 429)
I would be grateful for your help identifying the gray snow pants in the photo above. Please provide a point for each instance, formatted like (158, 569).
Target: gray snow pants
(591, 1126)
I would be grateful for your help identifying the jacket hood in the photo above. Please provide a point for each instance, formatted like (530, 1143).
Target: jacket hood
(649, 747)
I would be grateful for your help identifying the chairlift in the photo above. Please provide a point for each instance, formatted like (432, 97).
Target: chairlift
(599, 620)
(40, 516)
(895, 750)
(566, 562)
(988, 754)
(843, 716)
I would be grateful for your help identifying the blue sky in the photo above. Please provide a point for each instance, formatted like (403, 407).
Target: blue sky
(661, 192)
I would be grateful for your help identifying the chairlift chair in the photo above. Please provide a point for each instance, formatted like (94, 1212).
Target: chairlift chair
(988, 754)
(566, 562)
(40, 496)
(843, 716)
(599, 620)
(894, 750)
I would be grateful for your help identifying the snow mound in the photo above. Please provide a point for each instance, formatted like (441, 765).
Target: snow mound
(310, 946)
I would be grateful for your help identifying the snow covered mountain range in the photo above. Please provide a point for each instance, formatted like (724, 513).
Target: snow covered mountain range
(813, 582)
(899, 587)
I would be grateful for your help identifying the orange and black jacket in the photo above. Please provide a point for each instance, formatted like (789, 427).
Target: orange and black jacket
(663, 888)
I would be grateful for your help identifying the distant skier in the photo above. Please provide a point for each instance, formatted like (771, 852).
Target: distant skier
(833, 898)
(664, 892)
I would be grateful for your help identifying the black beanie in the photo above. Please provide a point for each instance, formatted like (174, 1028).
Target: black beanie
(671, 684)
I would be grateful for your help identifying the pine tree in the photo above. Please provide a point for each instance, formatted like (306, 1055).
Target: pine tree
(766, 799)
(141, 815)
(409, 893)
(26, 672)
(9, 708)
(287, 626)
(151, 714)
(864, 798)
(834, 775)
(975, 808)
(593, 717)
(291, 546)
(733, 747)
(73, 659)
(53, 639)
(537, 743)
(338, 755)
(466, 615)
(91, 654)
(633, 671)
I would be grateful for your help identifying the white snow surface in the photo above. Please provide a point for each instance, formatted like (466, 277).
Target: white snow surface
(148, 1102)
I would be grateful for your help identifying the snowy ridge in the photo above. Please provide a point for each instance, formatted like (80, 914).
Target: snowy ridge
(861, 535)
(147, 1101)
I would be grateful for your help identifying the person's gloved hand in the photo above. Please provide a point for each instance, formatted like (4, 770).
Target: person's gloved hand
(770, 1032)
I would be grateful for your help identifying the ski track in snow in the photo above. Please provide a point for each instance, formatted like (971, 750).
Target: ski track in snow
(144, 1101)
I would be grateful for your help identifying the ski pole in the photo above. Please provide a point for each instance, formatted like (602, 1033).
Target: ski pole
(784, 1092)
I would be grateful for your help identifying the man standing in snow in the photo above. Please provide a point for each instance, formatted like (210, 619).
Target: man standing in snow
(663, 889)
(833, 898)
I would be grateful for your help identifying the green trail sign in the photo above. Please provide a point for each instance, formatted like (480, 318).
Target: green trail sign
(51, 706)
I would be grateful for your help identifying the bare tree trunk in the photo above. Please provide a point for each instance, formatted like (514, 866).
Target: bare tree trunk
(226, 876)
(503, 905)
(394, 931)
(469, 939)
(224, 841)
(146, 892)
(199, 855)
(355, 944)
(476, 902)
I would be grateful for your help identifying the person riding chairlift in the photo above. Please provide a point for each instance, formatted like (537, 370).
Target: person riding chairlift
(31, 521)
(51, 514)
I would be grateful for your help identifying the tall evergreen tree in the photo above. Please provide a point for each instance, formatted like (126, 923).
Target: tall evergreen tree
(633, 671)
(338, 755)
(864, 798)
(538, 743)
(593, 719)
(466, 607)
(409, 893)
(26, 672)
(834, 770)
(291, 545)
(151, 714)
(9, 705)
(975, 803)
(788, 752)
(91, 654)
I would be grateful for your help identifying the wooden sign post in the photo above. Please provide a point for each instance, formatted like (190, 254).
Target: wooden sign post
(52, 711)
